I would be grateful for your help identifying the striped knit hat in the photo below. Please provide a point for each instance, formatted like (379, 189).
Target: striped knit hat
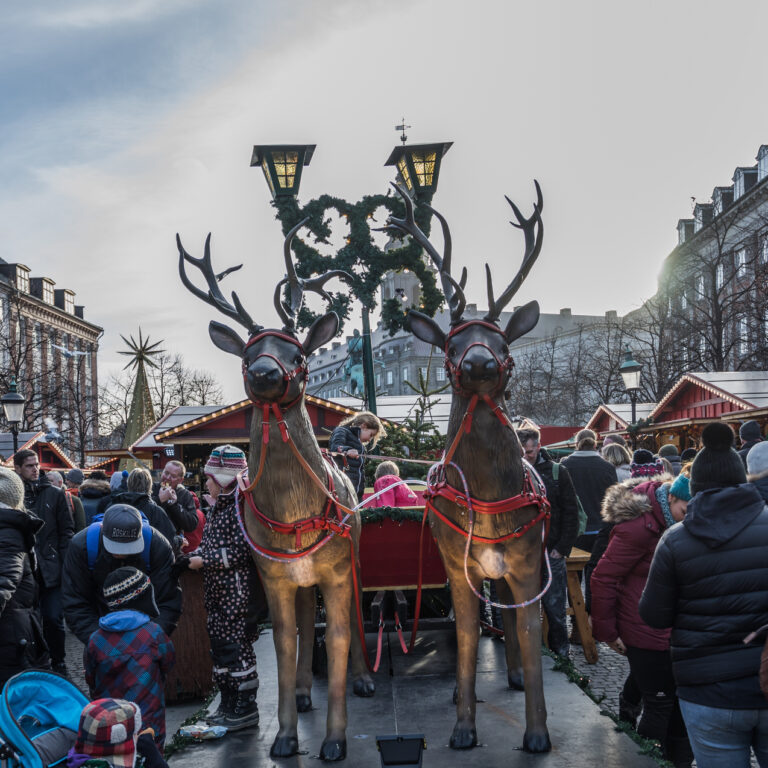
(129, 589)
(224, 464)
(109, 729)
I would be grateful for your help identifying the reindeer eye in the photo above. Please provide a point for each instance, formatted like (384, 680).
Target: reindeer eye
(451, 351)
(298, 359)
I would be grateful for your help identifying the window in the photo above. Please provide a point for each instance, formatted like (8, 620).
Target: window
(720, 276)
(764, 249)
(440, 374)
(378, 380)
(742, 343)
(69, 303)
(390, 378)
(683, 301)
(47, 291)
(405, 374)
(700, 286)
(741, 262)
(423, 373)
(22, 279)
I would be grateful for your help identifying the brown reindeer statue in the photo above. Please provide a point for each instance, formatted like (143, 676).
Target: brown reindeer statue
(298, 507)
(486, 508)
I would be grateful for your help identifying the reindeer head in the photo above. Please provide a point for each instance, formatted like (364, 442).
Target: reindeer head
(274, 361)
(476, 351)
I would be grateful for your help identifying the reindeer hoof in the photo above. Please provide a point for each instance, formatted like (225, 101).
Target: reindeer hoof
(463, 738)
(284, 746)
(537, 742)
(303, 702)
(364, 687)
(333, 750)
(515, 680)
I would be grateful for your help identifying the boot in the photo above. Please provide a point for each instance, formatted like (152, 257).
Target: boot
(226, 703)
(243, 712)
(629, 711)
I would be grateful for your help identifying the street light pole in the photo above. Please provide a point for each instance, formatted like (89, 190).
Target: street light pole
(418, 168)
(630, 371)
(13, 410)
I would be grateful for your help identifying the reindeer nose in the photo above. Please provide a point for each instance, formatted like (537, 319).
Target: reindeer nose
(480, 368)
(262, 376)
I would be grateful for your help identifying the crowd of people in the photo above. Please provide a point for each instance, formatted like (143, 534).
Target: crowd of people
(677, 579)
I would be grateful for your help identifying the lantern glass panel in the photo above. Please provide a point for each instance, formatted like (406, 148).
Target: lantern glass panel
(285, 168)
(424, 166)
(402, 166)
(631, 380)
(268, 177)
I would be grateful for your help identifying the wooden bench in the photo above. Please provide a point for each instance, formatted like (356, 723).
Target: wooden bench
(575, 565)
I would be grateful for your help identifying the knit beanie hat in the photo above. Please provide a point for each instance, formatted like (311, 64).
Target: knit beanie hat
(716, 464)
(668, 451)
(224, 464)
(618, 439)
(129, 589)
(11, 489)
(689, 454)
(109, 729)
(681, 488)
(749, 431)
(757, 459)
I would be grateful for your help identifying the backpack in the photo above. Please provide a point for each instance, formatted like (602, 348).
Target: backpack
(94, 531)
(579, 508)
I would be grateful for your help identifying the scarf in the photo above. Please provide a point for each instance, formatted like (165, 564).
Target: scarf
(662, 496)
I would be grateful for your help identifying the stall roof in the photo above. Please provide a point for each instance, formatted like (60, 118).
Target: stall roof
(621, 413)
(181, 414)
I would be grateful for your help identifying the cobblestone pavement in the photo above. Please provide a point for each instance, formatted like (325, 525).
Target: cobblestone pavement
(606, 678)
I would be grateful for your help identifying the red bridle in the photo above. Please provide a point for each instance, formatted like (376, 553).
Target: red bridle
(454, 369)
(288, 376)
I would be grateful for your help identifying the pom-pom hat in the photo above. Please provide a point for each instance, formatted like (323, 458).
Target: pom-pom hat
(109, 729)
(224, 464)
(717, 464)
(11, 489)
(129, 589)
(757, 459)
(644, 464)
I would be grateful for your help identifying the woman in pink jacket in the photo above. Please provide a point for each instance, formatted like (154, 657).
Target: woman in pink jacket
(387, 475)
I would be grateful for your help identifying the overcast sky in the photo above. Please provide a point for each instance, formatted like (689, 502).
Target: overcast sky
(124, 123)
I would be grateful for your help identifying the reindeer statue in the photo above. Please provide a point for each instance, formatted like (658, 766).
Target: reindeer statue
(289, 478)
(486, 509)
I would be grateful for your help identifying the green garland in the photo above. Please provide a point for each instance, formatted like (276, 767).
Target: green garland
(360, 251)
(369, 515)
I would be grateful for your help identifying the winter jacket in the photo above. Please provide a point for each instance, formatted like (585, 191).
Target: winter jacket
(344, 439)
(91, 493)
(156, 515)
(619, 578)
(182, 512)
(51, 543)
(592, 476)
(400, 496)
(21, 637)
(76, 509)
(129, 657)
(564, 514)
(709, 582)
(746, 448)
(82, 588)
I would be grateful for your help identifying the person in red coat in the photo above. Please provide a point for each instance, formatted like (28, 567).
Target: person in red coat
(640, 510)
(387, 477)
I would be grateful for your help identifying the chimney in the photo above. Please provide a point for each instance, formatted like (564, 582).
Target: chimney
(79, 309)
(565, 312)
(336, 345)
(611, 315)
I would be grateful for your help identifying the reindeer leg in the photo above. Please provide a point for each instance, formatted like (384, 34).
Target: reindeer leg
(337, 600)
(525, 585)
(305, 615)
(465, 609)
(282, 609)
(515, 678)
(362, 684)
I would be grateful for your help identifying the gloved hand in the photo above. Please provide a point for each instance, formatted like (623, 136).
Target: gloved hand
(181, 565)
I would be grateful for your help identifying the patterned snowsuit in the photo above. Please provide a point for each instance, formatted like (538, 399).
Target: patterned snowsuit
(228, 575)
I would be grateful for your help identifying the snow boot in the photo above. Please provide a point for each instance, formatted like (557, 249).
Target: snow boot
(243, 711)
(226, 704)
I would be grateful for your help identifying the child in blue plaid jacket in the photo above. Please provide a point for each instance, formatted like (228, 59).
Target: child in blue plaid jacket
(129, 655)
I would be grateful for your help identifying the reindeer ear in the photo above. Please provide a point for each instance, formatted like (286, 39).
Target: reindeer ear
(225, 338)
(321, 332)
(426, 329)
(523, 319)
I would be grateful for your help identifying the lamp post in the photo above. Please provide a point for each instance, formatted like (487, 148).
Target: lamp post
(419, 169)
(13, 410)
(630, 371)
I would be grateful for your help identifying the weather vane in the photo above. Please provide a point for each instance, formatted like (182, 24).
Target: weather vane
(402, 128)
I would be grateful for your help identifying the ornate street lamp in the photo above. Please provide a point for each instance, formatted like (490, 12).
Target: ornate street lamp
(282, 164)
(630, 371)
(13, 410)
(419, 166)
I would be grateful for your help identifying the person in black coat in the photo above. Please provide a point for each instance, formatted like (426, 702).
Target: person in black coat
(49, 504)
(138, 496)
(350, 440)
(120, 543)
(709, 582)
(92, 492)
(174, 498)
(21, 635)
(563, 527)
(750, 435)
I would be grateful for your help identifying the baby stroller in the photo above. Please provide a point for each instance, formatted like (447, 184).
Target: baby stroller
(39, 717)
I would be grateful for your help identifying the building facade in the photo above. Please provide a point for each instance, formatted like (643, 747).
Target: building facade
(49, 347)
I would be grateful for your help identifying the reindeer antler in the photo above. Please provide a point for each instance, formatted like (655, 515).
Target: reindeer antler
(453, 291)
(533, 239)
(298, 286)
(214, 296)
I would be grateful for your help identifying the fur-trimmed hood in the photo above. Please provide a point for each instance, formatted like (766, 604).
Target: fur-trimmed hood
(95, 489)
(621, 503)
